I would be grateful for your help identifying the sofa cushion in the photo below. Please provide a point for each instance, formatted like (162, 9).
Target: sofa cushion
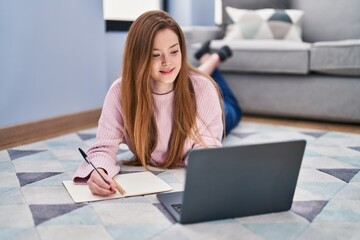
(336, 57)
(329, 20)
(264, 24)
(264, 56)
(251, 4)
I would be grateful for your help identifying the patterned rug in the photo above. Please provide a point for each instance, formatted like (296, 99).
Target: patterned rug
(35, 205)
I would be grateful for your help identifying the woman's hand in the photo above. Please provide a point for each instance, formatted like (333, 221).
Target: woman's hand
(98, 186)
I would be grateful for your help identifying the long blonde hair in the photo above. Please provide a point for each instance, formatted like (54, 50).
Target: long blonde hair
(136, 95)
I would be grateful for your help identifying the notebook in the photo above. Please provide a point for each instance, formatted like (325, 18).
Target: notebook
(237, 181)
(135, 184)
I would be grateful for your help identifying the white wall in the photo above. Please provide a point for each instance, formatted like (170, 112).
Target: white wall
(52, 59)
(190, 12)
(56, 58)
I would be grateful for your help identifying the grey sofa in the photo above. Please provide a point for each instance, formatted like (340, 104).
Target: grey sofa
(317, 78)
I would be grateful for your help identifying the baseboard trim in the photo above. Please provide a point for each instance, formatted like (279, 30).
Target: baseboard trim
(39, 130)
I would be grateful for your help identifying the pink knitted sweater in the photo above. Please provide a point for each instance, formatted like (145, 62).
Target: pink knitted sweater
(110, 135)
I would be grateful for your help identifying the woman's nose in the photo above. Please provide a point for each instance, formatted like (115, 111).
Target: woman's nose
(165, 59)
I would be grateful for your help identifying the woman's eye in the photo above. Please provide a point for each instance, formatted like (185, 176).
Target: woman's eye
(155, 55)
(174, 52)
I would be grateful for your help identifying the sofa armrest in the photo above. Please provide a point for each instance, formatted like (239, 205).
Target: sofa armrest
(196, 34)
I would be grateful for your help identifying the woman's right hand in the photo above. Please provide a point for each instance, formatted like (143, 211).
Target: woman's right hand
(98, 186)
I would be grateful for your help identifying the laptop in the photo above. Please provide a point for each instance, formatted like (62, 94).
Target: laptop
(237, 181)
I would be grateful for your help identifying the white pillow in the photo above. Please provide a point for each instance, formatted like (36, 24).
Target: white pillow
(284, 24)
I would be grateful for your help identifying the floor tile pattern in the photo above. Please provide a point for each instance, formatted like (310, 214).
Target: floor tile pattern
(35, 205)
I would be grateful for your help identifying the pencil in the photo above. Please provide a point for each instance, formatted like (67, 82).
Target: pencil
(118, 187)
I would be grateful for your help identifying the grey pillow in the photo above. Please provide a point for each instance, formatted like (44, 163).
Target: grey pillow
(337, 57)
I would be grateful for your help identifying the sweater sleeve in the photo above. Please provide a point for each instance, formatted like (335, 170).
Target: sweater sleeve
(108, 137)
(210, 115)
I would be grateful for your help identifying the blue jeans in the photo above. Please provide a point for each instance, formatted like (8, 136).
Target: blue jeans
(233, 112)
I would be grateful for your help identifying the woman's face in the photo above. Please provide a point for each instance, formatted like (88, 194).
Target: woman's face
(166, 61)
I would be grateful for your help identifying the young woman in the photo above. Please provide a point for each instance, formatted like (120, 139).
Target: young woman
(161, 107)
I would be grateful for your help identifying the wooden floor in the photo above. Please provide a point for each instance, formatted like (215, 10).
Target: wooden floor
(326, 126)
(20, 134)
(36, 131)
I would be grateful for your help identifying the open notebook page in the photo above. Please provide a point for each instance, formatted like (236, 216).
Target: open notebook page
(135, 184)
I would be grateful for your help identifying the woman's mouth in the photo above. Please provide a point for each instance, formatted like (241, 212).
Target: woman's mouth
(167, 71)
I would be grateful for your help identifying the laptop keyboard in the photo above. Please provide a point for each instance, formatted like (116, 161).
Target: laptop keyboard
(177, 207)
